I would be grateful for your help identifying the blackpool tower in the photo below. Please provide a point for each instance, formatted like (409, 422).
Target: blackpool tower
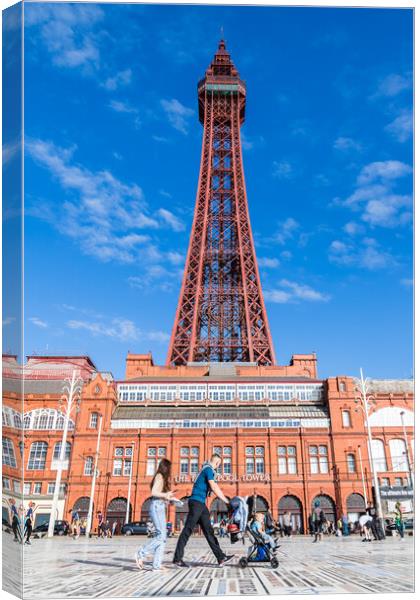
(221, 315)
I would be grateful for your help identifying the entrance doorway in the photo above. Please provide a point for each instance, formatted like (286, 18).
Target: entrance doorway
(116, 511)
(355, 505)
(82, 506)
(293, 505)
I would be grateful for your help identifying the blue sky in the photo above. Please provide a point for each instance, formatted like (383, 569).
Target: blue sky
(112, 157)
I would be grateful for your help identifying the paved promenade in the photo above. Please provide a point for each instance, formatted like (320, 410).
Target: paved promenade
(105, 568)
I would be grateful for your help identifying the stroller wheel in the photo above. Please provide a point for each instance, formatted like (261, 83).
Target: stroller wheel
(243, 562)
(274, 562)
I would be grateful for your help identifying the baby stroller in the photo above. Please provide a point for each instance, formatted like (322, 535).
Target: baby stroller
(239, 528)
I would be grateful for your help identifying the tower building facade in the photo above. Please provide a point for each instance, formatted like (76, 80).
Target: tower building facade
(221, 315)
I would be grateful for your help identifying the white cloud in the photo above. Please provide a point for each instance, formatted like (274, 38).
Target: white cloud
(105, 215)
(8, 321)
(346, 143)
(366, 255)
(282, 169)
(175, 258)
(123, 330)
(160, 139)
(120, 79)
(10, 151)
(401, 128)
(268, 263)
(248, 143)
(38, 322)
(393, 85)
(68, 31)
(158, 277)
(117, 155)
(383, 170)
(376, 199)
(286, 231)
(170, 219)
(122, 107)
(178, 114)
(290, 292)
(353, 228)
(407, 282)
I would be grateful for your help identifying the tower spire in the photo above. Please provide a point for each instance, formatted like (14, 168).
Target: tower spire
(221, 314)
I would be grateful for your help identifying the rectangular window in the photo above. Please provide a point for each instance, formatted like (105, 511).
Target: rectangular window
(345, 415)
(150, 466)
(314, 464)
(227, 466)
(398, 481)
(37, 487)
(129, 451)
(185, 451)
(6, 483)
(51, 488)
(259, 465)
(184, 464)
(127, 467)
(16, 486)
(119, 451)
(117, 470)
(88, 467)
(250, 466)
(287, 459)
(194, 466)
(385, 482)
(93, 423)
(162, 451)
(27, 488)
(151, 452)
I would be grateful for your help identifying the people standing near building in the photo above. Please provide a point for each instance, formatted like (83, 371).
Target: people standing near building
(161, 495)
(318, 521)
(345, 524)
(100, 521)
(75, 523)
(376, 527)
(29, 522)
(287, 523)
(198, 513)
(365, 523)
(114, 528)
(15, 521)
(399, 520)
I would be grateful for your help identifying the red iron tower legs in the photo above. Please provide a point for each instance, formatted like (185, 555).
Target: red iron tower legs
(221, 315)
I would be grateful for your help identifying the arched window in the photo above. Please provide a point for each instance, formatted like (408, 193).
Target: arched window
(37, 456)
(45, 419)
(378, 455)
(88, 468)
(398, 455)
(351, 463)
(57, 450)
(9, 458)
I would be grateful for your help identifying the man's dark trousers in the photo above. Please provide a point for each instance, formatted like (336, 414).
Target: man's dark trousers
(198, 514)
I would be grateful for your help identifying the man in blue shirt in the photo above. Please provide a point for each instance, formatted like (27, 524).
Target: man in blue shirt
(198, 513)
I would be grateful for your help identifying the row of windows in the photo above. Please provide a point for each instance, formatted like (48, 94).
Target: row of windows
(36, 488)
(41, 419)
(219, 393)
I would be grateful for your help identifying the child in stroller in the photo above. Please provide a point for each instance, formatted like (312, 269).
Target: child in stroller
(263, 548)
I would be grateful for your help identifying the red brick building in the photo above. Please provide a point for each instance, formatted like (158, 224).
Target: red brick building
(285, 435)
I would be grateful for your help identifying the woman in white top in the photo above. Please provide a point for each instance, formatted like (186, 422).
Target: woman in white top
(161, 495)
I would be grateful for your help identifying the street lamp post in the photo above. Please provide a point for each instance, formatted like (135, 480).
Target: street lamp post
(407, 451)
(366, 401)
(363, 475)
(94, 475)
(127, 514)
(71, 398)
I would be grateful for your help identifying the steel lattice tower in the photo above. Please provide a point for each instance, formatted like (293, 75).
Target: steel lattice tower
(221, 315)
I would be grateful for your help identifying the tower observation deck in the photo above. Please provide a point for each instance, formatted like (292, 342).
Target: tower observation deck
(221, 315)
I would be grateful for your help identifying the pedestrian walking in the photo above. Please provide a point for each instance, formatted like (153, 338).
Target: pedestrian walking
(376, 527)
(318, 521)
(399, 521)
(15, 521)
(161, 495)
(29, 522)
(198, 513)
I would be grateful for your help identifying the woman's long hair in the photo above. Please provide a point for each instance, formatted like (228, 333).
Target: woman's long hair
(164, 469)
